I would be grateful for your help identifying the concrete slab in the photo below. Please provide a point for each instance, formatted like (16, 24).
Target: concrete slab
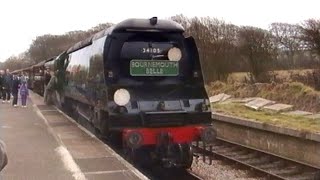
(258, 103)
(225, 97)
(100, 164)
(242, 100)
(216, 98)
(278, 107)
(84, 148)
(298, 113)
(219, 98)
(115, 175)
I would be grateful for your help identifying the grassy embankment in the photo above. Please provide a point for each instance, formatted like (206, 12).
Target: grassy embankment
(293, 122)
(297, 94)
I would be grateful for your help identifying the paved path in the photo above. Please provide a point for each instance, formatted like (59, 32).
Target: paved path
(31, 149)
(44, 144)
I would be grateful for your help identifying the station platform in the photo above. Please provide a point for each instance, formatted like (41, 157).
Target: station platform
(45, 144)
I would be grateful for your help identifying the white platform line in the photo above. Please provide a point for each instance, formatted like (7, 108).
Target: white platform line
(105, 172)
(112, 152)
(62, 151)
(48, 110)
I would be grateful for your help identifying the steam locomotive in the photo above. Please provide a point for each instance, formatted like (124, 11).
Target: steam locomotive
(140, 78)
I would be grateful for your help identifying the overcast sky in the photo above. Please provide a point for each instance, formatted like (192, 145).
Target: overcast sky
(22, 20)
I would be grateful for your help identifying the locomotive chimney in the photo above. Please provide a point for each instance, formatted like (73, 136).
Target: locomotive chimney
(153, 21)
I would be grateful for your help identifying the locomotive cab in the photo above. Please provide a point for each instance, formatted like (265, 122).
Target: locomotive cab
(154, 77)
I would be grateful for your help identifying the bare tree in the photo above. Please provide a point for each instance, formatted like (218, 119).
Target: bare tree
(287, 37)
(183, 20)
(311, 34)
(99, 27)
(257, 48)
(216, 42)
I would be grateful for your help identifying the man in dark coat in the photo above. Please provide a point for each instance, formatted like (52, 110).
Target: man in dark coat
(1, 83)
(15, 90)
(7, 86)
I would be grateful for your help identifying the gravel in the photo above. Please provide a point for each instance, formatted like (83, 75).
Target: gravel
(220, 171)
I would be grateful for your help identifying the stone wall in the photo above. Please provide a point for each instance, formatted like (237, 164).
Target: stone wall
(285, 142)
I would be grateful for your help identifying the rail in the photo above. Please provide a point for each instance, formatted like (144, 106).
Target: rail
(267, 165)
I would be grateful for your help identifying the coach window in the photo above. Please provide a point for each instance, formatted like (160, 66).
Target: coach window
(78, 67)
(96, 70)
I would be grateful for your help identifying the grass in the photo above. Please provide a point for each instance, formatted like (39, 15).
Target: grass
(281, 74)
(287, 91)
(293, 122)
(301, 96)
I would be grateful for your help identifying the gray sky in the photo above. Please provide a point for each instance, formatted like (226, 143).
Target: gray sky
(22, 20)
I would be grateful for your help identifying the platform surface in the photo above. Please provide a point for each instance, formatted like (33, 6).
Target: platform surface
(44, 144)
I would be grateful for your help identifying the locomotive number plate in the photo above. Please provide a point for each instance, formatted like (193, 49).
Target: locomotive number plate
(154, 68)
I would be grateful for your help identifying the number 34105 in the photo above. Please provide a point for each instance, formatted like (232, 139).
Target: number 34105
(151, 50)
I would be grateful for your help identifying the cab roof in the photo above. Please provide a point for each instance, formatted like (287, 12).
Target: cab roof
(132, 24)
(148, 24)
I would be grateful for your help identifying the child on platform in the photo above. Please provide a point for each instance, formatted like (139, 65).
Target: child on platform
(24, 93)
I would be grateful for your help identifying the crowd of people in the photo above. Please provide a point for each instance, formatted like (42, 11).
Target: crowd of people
(13, 85)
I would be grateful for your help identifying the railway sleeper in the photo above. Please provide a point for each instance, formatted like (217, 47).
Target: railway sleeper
(286, 173)
(227, 150)
(258, 161)
(270, 166)
(236, 154)
(249, 156)
(310, 175)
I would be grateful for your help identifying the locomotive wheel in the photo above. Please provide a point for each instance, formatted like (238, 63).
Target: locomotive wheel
(129, 155)
(100, 122)
(97, 132)
(75, 115)
(139, 157)
(187, 156)
(67, 107)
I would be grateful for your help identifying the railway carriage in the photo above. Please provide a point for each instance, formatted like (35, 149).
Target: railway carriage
(140, 79)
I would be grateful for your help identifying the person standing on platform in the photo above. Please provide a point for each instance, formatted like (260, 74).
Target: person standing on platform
(24, 93)
(23, 78)
(1, 83)
(7, 86)
(15, 90)
(49, 89)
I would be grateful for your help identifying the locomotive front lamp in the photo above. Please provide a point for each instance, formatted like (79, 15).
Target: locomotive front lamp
(174, 54)
(121, 97)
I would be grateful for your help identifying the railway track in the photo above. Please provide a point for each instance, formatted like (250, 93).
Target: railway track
(157, 172)
(266, 165)
(154, 173)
